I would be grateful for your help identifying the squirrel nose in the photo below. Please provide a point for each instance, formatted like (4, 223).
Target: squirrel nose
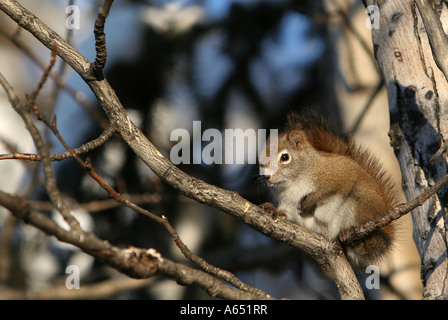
(267, 176)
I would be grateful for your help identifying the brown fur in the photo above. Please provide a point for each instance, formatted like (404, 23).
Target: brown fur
(324, 136)
(365, 170)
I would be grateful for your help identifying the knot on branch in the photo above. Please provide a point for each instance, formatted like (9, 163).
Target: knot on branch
(135, 262)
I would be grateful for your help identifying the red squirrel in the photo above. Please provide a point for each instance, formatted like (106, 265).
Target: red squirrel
(327, 184)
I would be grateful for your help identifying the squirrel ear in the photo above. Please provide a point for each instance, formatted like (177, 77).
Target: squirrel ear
(295, 137)
(293, 120)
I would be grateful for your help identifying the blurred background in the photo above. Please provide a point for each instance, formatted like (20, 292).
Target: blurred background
(229, 64)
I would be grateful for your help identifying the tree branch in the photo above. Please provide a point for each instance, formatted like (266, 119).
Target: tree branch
(440, 152)
(100, 40)
(223, 274)
(101, 205)
(134, 262)
(78, 96)
(89, 146)
(328, 254)
(50, 180)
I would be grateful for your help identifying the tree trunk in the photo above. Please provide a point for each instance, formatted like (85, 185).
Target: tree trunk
(418, 104)
(362, 100)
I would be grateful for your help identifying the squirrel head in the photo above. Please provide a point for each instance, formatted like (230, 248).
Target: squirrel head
(307, 137)
(285, 160)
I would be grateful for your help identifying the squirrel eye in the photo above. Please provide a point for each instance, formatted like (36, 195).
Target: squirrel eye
(284, 157)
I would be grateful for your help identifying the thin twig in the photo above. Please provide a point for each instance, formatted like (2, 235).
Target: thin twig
(348, 24)
(78, 96)
(32, 98)
(101, 205)
(325, 252)
(87, 147)
(62, 69)
(97, 67)
(50, 180)
(438, 154)
(134, 262)
(220, 273)
(6, 237)
(101, 290)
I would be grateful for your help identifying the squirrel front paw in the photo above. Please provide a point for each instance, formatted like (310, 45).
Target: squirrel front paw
(276, 214)
(309, 203)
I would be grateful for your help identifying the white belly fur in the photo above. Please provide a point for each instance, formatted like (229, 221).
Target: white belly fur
(290, 198)
(329, 218)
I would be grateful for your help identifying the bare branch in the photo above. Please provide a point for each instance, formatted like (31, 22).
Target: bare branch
(89, 146)
(100, 40)
(32, 98)
(76, 95)
(329, 254)
(223, 274)
(134, 262)
(366, 108)
(101, 205)
(348, 24)
(50, 180)
(5, 248)
(438, 154)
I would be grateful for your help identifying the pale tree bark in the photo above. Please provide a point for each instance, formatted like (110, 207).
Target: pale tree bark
(417, 95)
(362, 101)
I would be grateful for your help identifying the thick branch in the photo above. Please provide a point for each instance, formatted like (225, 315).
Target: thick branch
(225, 275)
(134, 262)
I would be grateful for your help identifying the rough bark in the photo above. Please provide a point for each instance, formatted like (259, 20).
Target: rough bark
(417, 95)
(362, 101)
